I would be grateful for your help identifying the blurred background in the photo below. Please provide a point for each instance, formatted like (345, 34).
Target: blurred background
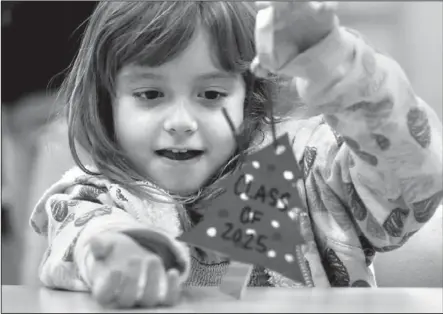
(39, 41)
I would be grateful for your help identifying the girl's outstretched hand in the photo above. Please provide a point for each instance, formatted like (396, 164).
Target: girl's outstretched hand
(285, 29)
(125, 275)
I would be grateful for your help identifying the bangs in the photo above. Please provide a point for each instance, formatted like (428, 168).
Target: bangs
(163, 31)
(231, 31)
(152, 33)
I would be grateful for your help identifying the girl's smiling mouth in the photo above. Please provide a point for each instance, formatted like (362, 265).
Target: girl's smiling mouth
(180, 154)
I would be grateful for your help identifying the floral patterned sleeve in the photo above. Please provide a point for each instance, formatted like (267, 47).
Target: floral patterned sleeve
(387, 161)
(373, 159)
(79, 207)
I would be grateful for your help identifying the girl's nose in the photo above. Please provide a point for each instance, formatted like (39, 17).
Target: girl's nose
(180, 121)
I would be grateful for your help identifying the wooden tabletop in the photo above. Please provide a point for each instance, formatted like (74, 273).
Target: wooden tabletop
(423, 300)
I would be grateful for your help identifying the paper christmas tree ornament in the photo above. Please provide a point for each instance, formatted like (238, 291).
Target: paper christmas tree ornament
(255, 220)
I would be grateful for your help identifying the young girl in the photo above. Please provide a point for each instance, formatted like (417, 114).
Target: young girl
(145, 95)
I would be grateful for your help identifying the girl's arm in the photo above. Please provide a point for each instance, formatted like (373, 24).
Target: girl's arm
(392, 151)
(71, 217)
(380, 152)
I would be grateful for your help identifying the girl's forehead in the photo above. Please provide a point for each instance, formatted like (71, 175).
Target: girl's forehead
(136, 73)
(197, 61)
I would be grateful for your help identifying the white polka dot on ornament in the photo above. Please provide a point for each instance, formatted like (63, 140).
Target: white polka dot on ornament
(288, 175)
(280, 150)
(289, 258)
(212, 232)
(275, 224)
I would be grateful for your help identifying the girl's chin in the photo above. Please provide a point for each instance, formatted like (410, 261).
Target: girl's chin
(184, 184)
(181, 191)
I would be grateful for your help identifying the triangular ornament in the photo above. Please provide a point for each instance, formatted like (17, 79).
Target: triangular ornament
(256, 219)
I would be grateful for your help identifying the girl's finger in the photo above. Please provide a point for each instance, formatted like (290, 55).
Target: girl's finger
(106, 288)
(156, 284)
(173, 287)
(128, 290)
(142, 282)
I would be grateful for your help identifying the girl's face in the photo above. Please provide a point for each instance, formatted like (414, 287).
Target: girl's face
(168, 119)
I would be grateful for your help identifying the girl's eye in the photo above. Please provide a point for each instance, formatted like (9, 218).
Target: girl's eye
(150, 95)
(212, 95)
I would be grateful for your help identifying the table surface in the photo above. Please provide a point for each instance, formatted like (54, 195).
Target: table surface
(26, 299)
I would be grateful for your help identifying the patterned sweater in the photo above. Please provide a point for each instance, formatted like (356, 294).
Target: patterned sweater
(372, 162)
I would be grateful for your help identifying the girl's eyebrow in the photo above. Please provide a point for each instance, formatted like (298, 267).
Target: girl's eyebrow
(216, 75)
